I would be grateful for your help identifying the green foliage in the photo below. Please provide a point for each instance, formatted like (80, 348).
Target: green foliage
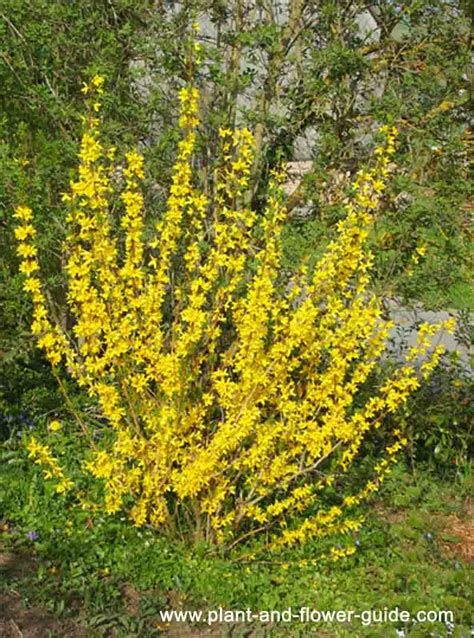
(440, 418)
(427, 216)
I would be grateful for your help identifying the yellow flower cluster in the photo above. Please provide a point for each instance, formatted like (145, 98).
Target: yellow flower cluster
(225, 394)
(42, 456)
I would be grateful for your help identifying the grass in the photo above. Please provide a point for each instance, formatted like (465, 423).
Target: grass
(462, 297)
(100, 577)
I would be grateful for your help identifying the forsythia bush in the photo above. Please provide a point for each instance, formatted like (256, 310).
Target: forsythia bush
(230, 393)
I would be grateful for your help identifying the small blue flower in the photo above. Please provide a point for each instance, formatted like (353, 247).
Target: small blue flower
(32, 536)
(27, 421)
(357, 543)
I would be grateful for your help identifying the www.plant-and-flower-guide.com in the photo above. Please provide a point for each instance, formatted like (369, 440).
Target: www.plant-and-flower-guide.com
(306, 615)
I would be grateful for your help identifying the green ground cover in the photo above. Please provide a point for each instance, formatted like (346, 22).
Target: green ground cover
(86, 575)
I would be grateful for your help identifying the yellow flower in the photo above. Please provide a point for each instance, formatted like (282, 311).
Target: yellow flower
(64, 485)
(97, 81)
(28, 267)
(23, 232)
(25, 250)
(90, 148)
(23, 212)
(135, 165)
(33, 447)
(32, 285)
(54, 426)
